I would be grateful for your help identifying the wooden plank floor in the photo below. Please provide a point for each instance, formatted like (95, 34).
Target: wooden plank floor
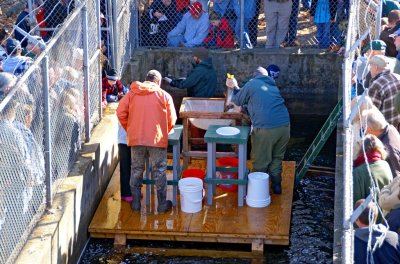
(221, 222)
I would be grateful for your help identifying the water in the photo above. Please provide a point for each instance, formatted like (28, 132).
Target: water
(311, 238)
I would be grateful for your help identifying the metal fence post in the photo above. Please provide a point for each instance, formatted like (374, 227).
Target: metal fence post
(110, 33)
(47, 131)
(115, 36)
(86, 69)
(347, 237)
(378, 19)
(241, 24)
(100, 111)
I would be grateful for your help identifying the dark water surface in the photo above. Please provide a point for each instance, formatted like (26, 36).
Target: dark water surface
(311, 238)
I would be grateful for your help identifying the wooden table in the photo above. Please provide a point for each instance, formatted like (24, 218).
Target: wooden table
(213, 138)
(174, 140)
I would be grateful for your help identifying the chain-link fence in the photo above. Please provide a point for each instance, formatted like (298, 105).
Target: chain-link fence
(242, 24)
(364, 26)
(45, 115)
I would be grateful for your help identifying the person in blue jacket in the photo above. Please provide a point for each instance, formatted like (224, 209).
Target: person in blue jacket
(192, 29)
(202, 80)
(386, 244)
(270, 123)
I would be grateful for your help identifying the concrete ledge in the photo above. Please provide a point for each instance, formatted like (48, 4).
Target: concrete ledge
(307, 78)
(62, 232)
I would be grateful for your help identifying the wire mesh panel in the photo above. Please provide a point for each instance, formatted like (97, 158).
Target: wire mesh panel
(243, 24)
(94, 92)
(366, 20)
(93, 20)
(22, 173)
(66, 98)
(124, 26)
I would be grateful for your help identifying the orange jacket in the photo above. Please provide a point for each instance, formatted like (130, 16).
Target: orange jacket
(147, 114)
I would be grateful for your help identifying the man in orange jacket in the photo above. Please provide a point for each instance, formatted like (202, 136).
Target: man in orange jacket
(147, 114)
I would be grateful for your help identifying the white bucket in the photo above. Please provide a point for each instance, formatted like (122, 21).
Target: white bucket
(191, 191)
(258, 190)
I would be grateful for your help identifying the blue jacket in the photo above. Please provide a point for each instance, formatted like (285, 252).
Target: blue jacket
(193, 30)
(264, 103)
(200, 82)
(388, 252)
(249, 8)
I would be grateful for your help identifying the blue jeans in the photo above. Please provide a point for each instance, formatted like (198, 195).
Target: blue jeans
(111, 98)
(294, 16)
(323, 34)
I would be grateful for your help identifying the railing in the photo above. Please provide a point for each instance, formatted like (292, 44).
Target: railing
(363, 26)
(48, 112)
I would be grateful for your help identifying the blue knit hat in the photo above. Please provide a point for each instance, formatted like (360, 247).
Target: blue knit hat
(273, 71)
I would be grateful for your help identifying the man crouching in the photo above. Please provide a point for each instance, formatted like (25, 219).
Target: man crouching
(147, 114)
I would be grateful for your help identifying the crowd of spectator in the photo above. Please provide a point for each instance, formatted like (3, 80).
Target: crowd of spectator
(217, 23)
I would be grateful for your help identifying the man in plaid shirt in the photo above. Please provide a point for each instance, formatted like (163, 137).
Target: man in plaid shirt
(384, 87)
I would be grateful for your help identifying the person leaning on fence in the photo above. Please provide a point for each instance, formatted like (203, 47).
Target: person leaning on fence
(270, 120)
(384, 246)
(202, 80)
(277, 15)
(323, 14)
(374, 123)
(112, 88)
(160, 19)
(15, 62)
(389, 201)
(220, 34)
(379, 168)
(191, 30)
(383, 89)
(147, 113)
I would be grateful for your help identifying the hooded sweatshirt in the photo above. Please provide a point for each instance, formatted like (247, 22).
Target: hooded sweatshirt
(388, 252)
(200, 82)
(147, 114)
(264, 102)
(194, 30)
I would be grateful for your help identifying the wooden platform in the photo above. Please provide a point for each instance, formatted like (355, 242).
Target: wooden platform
(221, 222)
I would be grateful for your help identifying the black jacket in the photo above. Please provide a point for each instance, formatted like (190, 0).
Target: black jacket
(200, 82)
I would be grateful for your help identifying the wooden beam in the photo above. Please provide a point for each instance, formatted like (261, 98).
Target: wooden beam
(257, 247)
(119, 239)
(182, 252)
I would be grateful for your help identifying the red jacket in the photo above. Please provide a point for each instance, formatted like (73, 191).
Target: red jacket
(147, 113)
(107, 89)
(221, 36)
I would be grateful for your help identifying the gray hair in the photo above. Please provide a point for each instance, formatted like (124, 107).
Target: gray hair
(374, 119)
(153, 76)
(7, 81)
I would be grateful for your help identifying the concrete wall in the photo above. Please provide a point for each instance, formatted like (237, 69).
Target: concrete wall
(308, 81)
(62, 232)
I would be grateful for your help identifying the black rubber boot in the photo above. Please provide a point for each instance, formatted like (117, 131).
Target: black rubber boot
(164, 205)
(276, 184)
(136, 195)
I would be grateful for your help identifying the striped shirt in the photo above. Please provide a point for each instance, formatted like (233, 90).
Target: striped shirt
(382, 91)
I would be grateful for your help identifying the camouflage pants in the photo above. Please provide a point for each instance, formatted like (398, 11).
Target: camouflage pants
(158, 165)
